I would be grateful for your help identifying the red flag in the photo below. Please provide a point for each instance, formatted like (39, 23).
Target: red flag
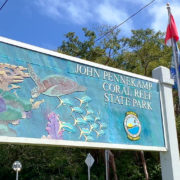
(171, 32)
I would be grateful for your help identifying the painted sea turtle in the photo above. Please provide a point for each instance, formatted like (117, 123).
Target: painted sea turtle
(54, 85)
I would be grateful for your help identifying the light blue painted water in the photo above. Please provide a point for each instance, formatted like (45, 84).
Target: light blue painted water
(134, 130)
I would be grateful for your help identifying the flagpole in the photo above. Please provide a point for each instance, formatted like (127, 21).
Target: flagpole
(175, 57)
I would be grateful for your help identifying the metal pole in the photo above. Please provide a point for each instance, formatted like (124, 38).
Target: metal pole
(107, 163)
(17, 175)
(175, 57)
(88, 173)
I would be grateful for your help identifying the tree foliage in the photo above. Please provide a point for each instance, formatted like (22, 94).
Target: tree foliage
(145, 50)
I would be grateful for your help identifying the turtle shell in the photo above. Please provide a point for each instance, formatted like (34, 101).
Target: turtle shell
(56, 85)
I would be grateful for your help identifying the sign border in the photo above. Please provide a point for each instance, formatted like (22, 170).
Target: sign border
(81, 144)
(67, 143)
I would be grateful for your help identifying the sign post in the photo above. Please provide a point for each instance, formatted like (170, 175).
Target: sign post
(89, 161)
(107, 163)
(17, 166)
(170, 163)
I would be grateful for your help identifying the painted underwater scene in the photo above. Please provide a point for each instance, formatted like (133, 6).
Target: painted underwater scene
(72, 115)
(80, 120)
(48, 97)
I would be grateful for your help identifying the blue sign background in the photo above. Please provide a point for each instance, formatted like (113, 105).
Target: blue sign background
(81, 114)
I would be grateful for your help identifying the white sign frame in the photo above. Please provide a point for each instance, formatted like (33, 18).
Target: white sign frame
(33, 141)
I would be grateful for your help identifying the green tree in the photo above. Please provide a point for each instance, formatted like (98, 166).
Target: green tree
(144, 51)
(104, 51)
(83, 49)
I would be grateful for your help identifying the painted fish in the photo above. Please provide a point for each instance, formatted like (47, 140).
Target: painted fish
(97, 118)
(64, 102)
(93, 126)
(89, 138)
(103, 125)
(77, 110)
(37, 104)
(79, 121)
(66, 126)
(84, 99)
(84, 131)
(89, 111)
(88, 118)
(100, 133)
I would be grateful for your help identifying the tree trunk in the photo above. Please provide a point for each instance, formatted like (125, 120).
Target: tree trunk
(144, 165)
(113, 164)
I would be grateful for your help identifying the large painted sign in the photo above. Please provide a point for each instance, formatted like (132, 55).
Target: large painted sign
(50, 98)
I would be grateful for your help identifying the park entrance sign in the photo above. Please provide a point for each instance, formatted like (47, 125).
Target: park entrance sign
(53, 99)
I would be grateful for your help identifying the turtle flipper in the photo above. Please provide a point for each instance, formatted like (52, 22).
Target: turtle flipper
(33, 75)
(35, 92)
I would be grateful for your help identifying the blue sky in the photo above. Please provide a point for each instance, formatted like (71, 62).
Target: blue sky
(45, 22)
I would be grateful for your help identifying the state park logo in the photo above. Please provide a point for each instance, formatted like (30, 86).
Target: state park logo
(132, 126)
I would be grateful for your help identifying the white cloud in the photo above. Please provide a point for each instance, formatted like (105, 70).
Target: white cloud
(79, 11)
(160, 16)
(84, 11)
(73, 11)
(112, 15)
(50, 8)
(109, 14)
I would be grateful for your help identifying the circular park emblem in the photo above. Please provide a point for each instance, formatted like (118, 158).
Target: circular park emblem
(132, 126)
